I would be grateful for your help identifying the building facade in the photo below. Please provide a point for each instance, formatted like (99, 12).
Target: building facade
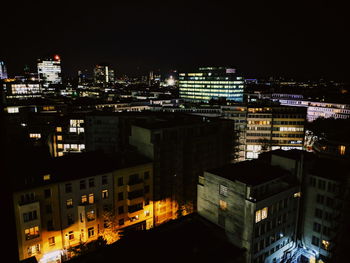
(256, 204)
(211, 83)
(70, 209)
(3, 70)
(49, 71)
(181, 147)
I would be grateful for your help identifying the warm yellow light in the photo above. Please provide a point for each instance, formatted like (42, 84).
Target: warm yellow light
(59, 137)
(298, 194)
(342, 149)
(59, 129)
(46, 177)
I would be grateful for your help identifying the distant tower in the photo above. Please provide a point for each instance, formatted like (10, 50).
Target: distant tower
(3, 71)
(151, 78)
(49, 70)
(103, 74)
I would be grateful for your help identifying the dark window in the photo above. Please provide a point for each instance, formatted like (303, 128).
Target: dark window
(315, 241)
(48, 209)
(319, 199)
(32, 215)
(134, 179)
(104, 179)
(70, 220)
(330, 202)
(120, 181)
(146, 189)
(82, 184)
(47, 193)
(121, 210)
(121, 221)
(146, 175)
(321, 184)
(91, 182)
(317, 227)
(134, 208)
(147, 201)
(49, 225)
(68, 188)
(71, 235)
(120, 196)
(318, 213)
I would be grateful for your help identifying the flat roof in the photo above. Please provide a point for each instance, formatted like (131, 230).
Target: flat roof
(78, 166)
(252, 172)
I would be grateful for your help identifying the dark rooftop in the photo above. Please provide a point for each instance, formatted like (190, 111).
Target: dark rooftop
(290, 154)
(252, 172)
(80, 165)
(188, 239)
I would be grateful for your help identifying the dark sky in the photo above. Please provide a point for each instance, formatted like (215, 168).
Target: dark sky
(305, 41)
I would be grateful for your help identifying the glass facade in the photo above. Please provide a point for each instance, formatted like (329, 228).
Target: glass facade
(211, 83)
(50, 71)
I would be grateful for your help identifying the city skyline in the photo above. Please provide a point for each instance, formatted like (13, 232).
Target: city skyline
(299, 41)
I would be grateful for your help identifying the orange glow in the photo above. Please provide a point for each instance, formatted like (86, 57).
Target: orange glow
(57, 57)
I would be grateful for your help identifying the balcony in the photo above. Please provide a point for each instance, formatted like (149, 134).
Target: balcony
(134, 185)
(135, 200)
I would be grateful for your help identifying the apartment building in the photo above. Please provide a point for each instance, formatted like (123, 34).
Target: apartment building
(256, 204)
(182, 147)
(81, 198)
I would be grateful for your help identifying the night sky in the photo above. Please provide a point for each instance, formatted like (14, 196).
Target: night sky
(260, 40)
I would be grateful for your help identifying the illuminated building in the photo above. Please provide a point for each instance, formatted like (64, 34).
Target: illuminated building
(81, 198)
(182, 147)
(49, 71)
(315, 109)
(103, 74)
(211, 83)
(69, 136)
(20, 90)
(3, 71)
(255, 204)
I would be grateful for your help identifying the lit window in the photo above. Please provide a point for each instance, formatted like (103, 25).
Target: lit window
(342, 150)
(60, 154)
(223, 205)
(46, 177)
(83, 199)
(264, 213)
(257, 216)
(60, 146)
(91, 198)
(261, 214)
(35, 135)
(31, 233)
(69, 203)
(223, 190)
(58, 129)
(59, 137)
(298, 194)
(325, 244)
(33, 250)
(104, 194)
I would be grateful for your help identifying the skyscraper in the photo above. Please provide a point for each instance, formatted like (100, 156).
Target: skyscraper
(211, 83)
(49, 71)
(3, 71)
(103, 74)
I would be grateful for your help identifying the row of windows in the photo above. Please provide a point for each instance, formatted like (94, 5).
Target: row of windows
(328, 201)
(288, 135)
(288, 122)
(321, 184)
(325, 230)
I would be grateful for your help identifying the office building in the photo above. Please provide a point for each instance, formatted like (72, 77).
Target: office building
(17, 90)
(3, 70)
(256, 204)
(103, 75)
(79, 199)
(211, 83)
(49, 71)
